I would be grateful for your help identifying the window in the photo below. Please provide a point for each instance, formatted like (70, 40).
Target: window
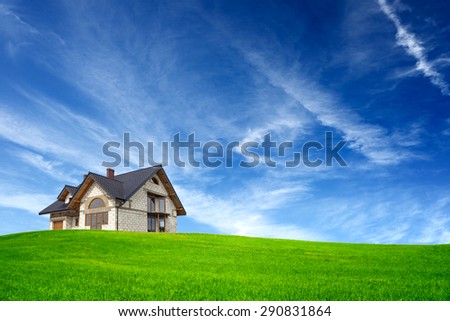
(68, 198)
(96, 203)
(156, 204)
(155, 181)
(162, 224)
(151, 202)
(151, 221)
(156, 223)
(77, 221)
(96, 220)
(96, 215)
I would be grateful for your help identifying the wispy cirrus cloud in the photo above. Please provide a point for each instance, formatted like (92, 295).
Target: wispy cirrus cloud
(30, 202)
(394, 215)
(12, 24)
(52, 168)
(373, 141)
(436, 230)
(19, 195)
(322, 106)
(414, 48)
(19, 34)
(60, 140)
(229, 215)
(106, 74)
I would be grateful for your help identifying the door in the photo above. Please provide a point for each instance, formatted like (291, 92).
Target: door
(97, 221)
(58, 225)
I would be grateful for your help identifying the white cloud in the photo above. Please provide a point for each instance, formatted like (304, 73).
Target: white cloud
(371, 140)
(114, 83)
(26, 133)
(31, 202)
(13, 48)
(63, 116)
(414, 48)
(248, 213)
(446, 132)
(436, 230)
(285, 121)
(393, 215)
(38, 161)
(12, 24)
(17, 32)
(67, 137)
(51, 168)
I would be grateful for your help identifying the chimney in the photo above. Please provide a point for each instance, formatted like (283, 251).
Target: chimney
(110, 173)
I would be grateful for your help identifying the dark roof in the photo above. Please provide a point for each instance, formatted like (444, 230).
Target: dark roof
(113, 187)
(57, 206)
(72, 189)
(122, 186)
(132, 181)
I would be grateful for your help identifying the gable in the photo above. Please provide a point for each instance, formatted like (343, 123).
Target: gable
(162, 187)
(95, 191)
(133, 181)
(171, 192)
(66, 191)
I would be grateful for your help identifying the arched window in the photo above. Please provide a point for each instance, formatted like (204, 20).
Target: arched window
(96, 215)
(96, 203)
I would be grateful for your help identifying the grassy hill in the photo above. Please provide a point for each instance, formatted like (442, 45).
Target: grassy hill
(100, 265)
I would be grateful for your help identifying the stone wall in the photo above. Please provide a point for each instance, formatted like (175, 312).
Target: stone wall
(137, 205)
(132, 220)
(57, 217)
(171, 223)
(68, 221)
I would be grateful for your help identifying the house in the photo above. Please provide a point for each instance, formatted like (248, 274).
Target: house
(143, 201)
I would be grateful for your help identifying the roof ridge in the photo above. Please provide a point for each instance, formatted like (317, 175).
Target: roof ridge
(140, 169)
(105, 177)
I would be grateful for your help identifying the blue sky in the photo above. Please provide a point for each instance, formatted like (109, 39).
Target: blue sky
(77, 74)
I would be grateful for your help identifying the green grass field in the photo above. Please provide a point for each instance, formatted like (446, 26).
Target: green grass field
(100, 265)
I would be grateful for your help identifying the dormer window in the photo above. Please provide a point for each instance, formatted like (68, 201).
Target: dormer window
(68, 198)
